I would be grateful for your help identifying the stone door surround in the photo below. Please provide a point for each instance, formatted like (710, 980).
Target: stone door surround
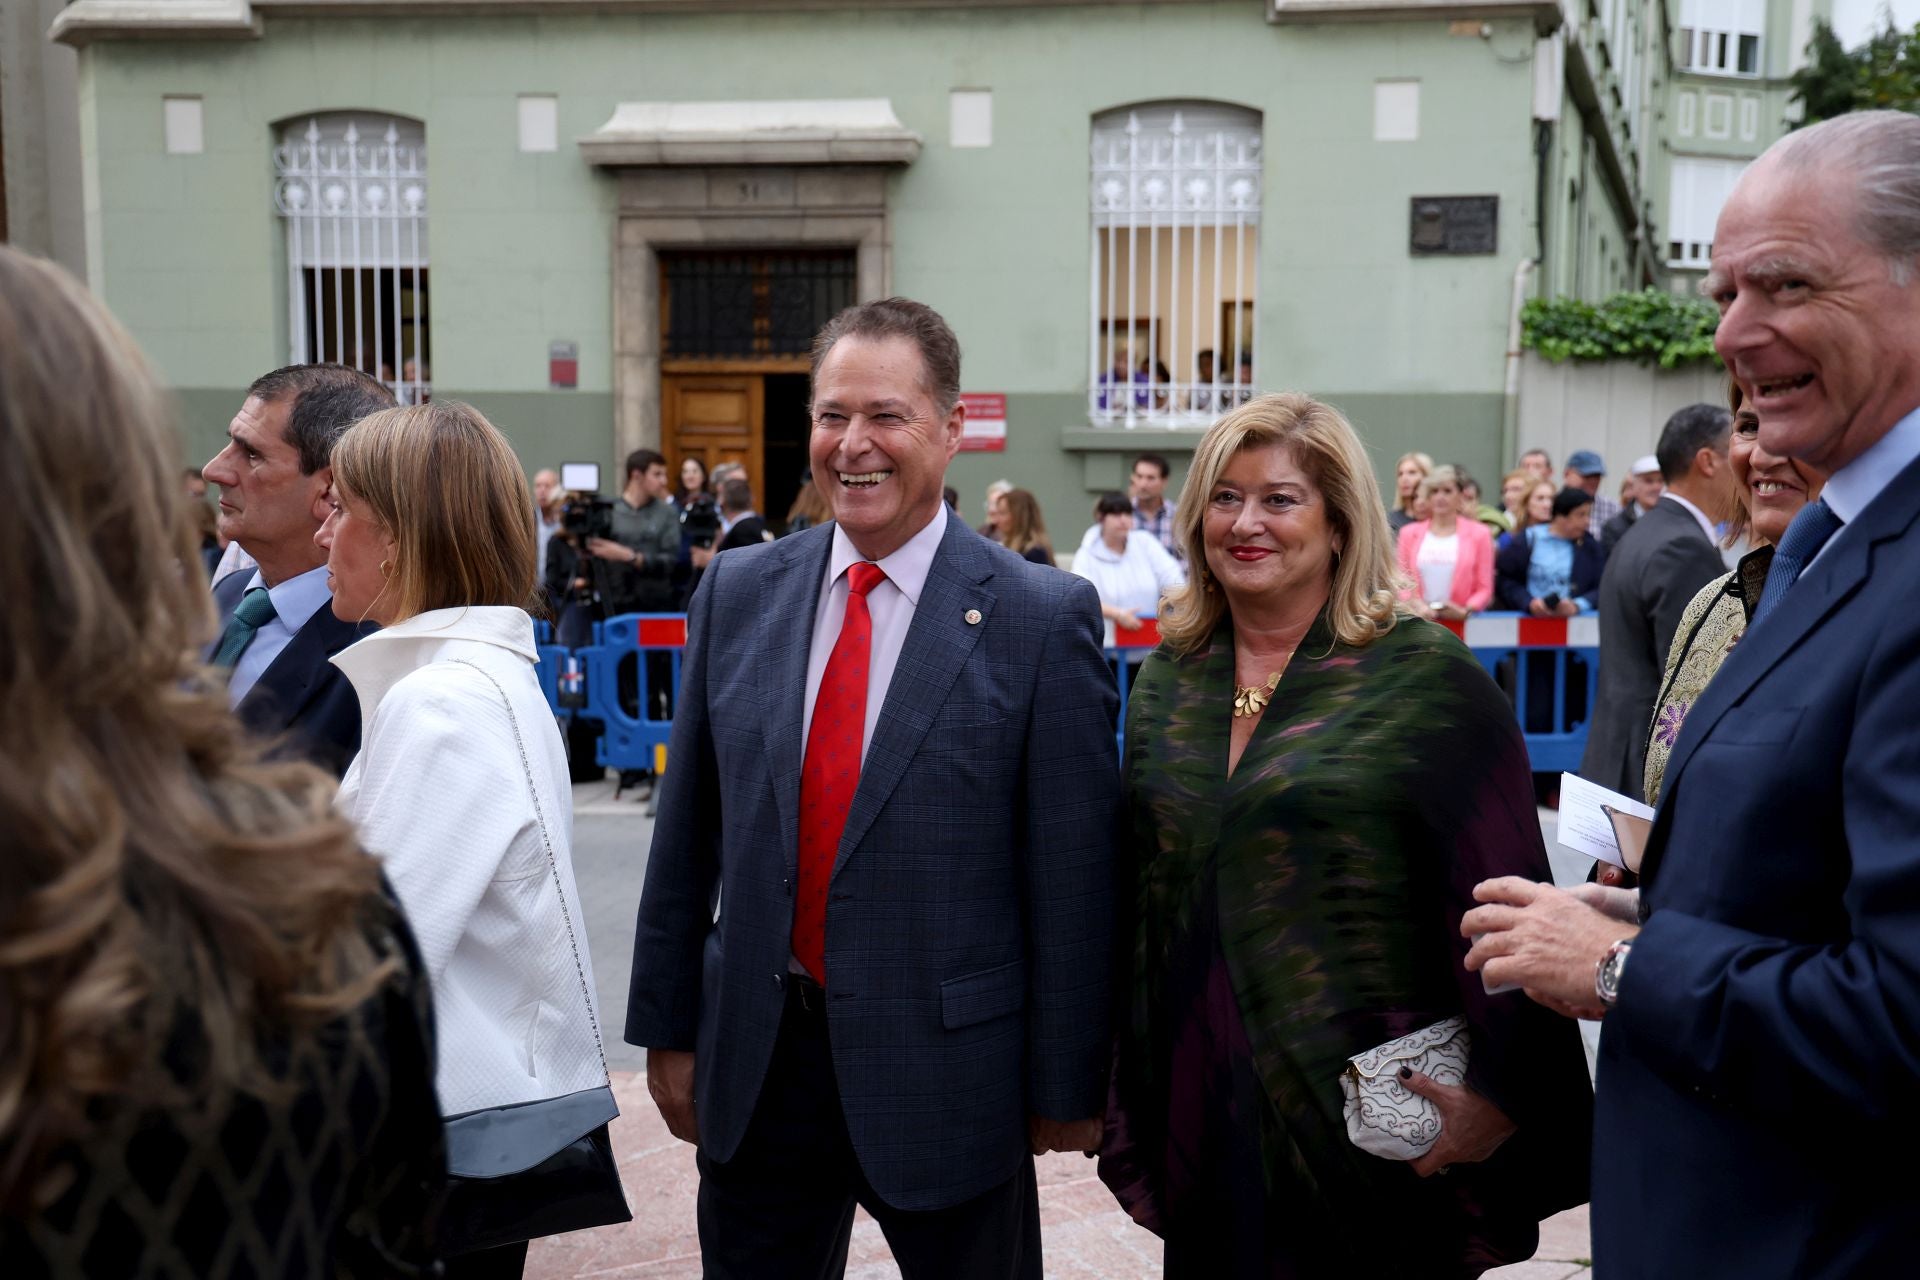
(772, 175)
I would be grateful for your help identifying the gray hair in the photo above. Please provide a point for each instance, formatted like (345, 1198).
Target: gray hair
(1442, 474)
(918, 323)
(1881, 150)
(326, 400)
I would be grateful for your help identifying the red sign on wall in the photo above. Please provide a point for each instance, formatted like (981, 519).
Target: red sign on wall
(986, 426)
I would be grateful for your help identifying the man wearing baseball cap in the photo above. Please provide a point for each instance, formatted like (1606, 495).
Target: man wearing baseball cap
(1648, 484)
(1585, 471)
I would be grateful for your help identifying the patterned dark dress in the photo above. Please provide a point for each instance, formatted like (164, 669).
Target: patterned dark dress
(1303, 911)
(338, 1170)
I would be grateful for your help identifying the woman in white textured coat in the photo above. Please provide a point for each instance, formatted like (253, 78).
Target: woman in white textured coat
(461, 782)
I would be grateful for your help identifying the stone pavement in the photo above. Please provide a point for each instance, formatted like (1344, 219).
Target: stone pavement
(1086, 1236)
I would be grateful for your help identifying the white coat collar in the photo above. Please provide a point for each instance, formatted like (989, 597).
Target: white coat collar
(379, 661)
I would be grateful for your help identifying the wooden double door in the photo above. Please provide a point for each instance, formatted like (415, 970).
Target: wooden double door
(756, 417)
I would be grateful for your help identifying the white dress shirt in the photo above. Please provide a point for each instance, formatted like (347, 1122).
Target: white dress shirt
(1853, 487)
(294, 602)
(891, 605)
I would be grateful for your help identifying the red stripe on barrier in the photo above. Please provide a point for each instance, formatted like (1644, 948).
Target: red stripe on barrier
(1455, 625)
(663, 633)
(1543, 631)
(1145, 638)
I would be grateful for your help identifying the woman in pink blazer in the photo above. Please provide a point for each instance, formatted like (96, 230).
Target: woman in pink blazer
(1449, 560)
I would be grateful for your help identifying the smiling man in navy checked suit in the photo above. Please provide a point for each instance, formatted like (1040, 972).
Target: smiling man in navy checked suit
(1763, 1027)
(873, 948)
(278, 631)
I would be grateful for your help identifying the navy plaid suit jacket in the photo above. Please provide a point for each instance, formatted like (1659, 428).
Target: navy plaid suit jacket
(969, 919)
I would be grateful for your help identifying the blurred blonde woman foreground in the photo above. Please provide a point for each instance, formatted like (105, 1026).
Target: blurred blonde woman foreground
(461, 781)
(215, 1038)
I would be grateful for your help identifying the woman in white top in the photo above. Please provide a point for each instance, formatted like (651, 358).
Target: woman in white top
(1130, 570)
(461, 782)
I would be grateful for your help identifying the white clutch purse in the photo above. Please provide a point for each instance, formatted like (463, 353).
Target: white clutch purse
(1384, 1117)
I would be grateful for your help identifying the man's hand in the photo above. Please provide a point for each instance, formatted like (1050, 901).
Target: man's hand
(670, 1081)
(1542, 939)
(1538, 608)
(608, 549)
(1471, 1128)
(700, 556)
(1566, 608)
(1126, 620)
(1046, 1135)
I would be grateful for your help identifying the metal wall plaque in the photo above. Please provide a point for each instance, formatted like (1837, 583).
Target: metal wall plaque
(1454, 224)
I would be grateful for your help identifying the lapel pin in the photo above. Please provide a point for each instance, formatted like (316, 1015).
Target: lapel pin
(973, 617)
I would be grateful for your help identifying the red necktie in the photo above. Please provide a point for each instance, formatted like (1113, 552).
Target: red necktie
(831, 772)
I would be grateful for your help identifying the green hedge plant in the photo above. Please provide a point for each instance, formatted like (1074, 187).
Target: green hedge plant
(1651, 326)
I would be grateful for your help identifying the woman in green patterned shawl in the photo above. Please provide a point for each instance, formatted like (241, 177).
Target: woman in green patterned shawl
(1315, 784)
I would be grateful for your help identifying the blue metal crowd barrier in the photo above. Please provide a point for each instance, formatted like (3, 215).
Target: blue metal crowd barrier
(1549, 667)
(554, 667)
(633, 739)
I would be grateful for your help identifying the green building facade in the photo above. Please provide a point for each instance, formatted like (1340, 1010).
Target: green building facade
(648, 199)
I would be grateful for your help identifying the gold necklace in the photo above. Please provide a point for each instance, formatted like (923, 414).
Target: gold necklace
(1250, 699)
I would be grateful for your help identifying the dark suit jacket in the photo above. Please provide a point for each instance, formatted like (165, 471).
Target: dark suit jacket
(969, 926)
(1651, 577)
(1511, 562)
(301, 697)
(1765, 1037)
(1616, 528)
(750, 532)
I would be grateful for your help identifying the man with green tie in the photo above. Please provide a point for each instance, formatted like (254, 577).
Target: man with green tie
(277, 625)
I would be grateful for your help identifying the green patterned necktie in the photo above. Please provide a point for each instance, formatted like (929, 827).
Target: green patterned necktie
(255, 608)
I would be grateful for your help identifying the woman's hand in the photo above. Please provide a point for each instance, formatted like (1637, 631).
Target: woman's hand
(1126, 619)
(1452, 612)
(1471, 1128)
(1617, 904)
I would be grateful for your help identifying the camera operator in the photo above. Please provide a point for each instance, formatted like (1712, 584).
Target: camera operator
(645, 541)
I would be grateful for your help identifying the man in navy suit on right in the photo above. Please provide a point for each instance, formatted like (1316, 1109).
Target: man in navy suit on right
(1759, 1078)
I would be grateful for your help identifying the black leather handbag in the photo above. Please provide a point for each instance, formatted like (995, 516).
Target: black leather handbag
(532, 1169)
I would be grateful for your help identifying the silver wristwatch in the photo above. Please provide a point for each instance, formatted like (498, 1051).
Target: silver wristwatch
(1607, 974)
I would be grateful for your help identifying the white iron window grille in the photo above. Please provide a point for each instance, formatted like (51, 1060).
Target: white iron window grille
(353, 192)
(1175, 266)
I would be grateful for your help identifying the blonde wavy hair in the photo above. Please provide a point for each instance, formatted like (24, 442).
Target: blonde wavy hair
(1360, 605)
(1423, 461)
(152, 855)
(445, 485)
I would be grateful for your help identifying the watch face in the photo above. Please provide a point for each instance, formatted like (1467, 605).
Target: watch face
(1607, 980)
